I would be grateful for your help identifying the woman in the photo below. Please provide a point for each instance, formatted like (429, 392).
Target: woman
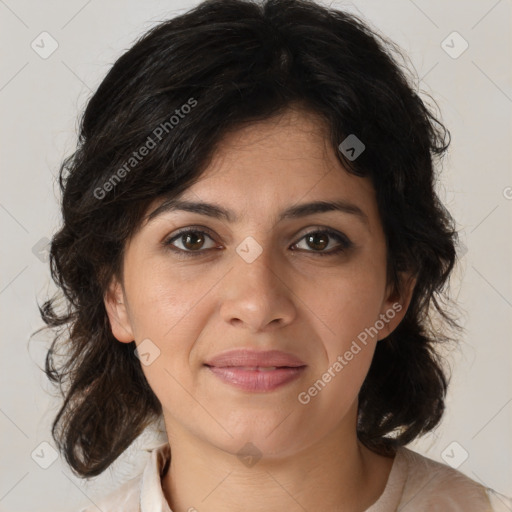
(252, 249)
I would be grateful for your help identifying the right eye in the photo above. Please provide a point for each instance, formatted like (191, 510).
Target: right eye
(191, 239)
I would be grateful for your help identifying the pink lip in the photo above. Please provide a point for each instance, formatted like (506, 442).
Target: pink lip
(256, 380)
(244, 357)
(243, 369)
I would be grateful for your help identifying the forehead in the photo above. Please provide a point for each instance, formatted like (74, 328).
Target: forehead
(266, 167)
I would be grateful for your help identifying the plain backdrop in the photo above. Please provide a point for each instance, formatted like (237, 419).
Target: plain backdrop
(40, 100)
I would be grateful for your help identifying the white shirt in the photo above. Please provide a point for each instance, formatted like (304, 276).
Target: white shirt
(415, 484)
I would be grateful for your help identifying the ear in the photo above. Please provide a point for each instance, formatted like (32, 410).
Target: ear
(396, 304)
(117, 312)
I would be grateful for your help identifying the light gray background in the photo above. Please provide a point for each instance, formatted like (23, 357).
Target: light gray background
(40, 100)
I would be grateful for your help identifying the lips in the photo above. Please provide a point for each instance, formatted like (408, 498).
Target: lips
(251, 359)
(256, 371)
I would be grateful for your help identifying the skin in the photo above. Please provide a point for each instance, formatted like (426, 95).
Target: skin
(195, 307)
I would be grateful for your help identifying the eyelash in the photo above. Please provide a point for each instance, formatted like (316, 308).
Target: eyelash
(345, 243)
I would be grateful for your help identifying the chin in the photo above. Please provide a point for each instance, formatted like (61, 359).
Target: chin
(271, 439)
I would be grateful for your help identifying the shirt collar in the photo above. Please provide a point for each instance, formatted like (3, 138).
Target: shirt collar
(152, 497)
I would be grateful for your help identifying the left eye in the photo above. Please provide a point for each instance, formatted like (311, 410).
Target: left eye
(321, 238)
(192, 241)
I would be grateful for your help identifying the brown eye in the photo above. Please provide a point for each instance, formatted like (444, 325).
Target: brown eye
(189, 240)
(318, 241)
(192, 240)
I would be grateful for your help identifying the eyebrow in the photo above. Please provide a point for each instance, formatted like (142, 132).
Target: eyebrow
(293, 212)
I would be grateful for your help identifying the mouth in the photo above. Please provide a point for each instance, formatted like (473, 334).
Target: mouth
(255, 359)
(257, 378)
(255, 370)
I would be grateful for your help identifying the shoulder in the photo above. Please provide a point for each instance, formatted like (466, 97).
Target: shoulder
(125, 498)
(432, 486)
(143, 491)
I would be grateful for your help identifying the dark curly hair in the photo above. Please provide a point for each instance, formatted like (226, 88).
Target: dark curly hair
(191, 79)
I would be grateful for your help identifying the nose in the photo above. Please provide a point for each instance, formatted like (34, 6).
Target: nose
(257, 296)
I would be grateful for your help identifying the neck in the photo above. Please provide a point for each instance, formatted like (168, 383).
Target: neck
(337, 473)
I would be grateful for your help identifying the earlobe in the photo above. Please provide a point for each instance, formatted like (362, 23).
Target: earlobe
(118, 313)
(396, 305)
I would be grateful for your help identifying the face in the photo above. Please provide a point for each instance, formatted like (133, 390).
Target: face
(260, 280)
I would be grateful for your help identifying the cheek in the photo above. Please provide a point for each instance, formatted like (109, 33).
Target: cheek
(348, 304)
(349, 309)
(161, 300)
(164, 310)
(349, 345)
(353, 324)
